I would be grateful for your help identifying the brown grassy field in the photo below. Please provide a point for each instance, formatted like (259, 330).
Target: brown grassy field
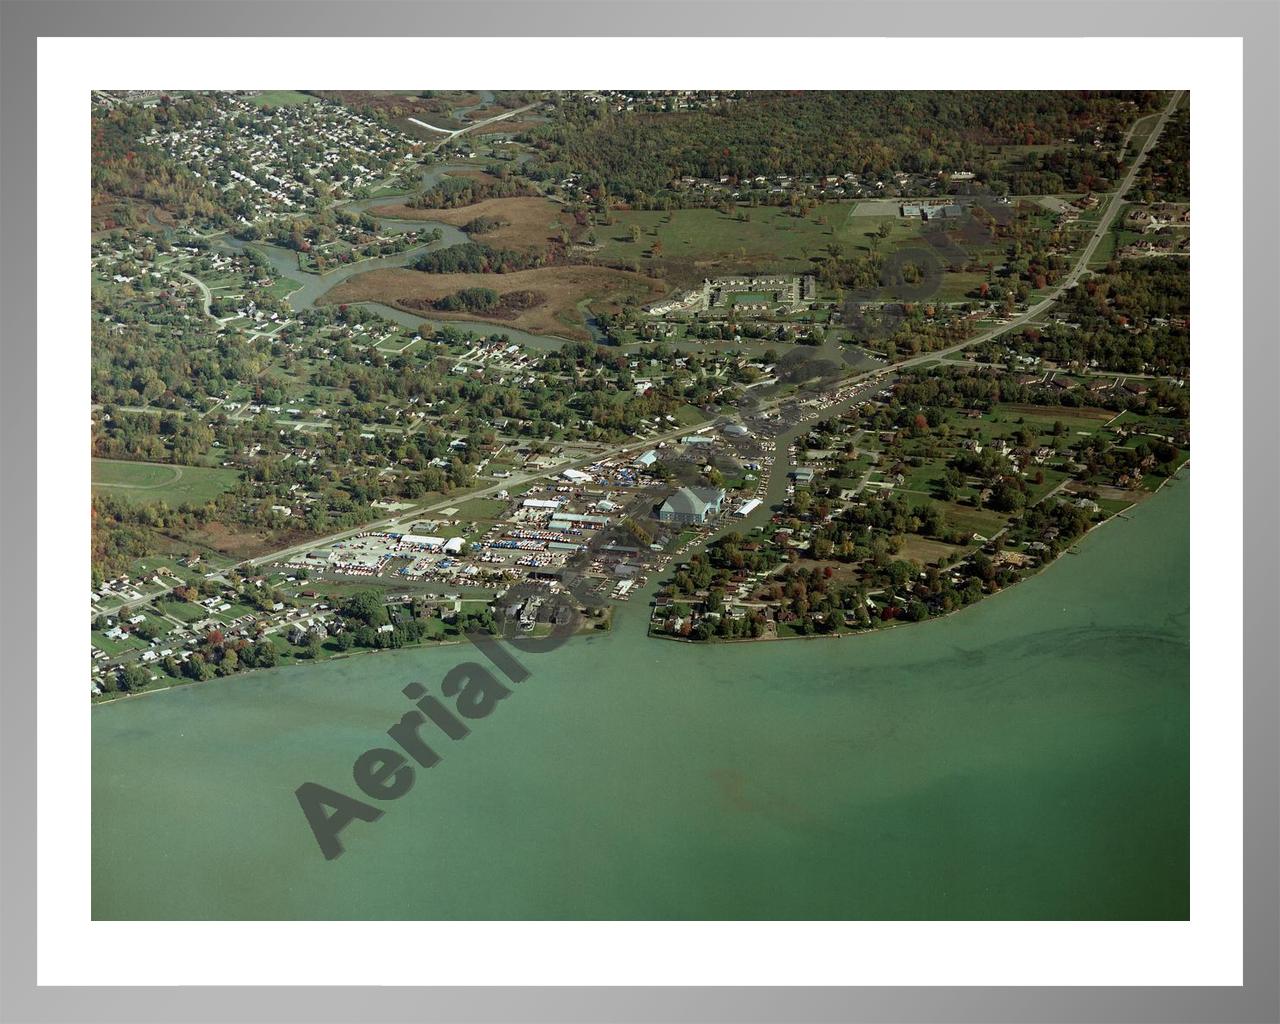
(238, 543)
(531, 220)
(471, 174)
(560, 288)
(925, 551)
(511, 126)
(491, 111)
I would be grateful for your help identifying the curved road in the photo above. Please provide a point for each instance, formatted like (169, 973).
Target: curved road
(451, 134)
(207, 296)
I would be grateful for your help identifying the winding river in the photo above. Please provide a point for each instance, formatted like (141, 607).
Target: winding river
(313, 286)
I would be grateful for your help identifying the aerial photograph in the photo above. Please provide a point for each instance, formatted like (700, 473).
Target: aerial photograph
(640, 505)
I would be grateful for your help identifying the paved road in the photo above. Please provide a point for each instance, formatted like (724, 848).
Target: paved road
(1082, 264)
(513, 481)
(450, 134)
(1073, 276)
(207, 296)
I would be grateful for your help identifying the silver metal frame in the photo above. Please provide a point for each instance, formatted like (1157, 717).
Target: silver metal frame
(1258, 23)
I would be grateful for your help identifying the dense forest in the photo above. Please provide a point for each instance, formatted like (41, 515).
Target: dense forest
(632, 155)
(477, 258)
(122, 168)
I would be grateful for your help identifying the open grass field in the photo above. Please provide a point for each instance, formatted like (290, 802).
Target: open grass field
(184, 611)
(114, 647)
(925, 478)
(696, 243)
(483, 508)
(530, 220)
(1052, 478)
(1071, 415)
(281, 98)
(397, 343)
(1154, 424)
(142, 482)
(1006, 419)
(924, 551)
(971, 520)
(282, 286)
(1106, 250)
(561, 290)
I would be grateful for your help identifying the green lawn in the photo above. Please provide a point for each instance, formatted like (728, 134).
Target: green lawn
(1111, 241)
(282, 286)
(1052, 478)
(483, 508)
(769, 237)
(972, 520)
(142, 482)
(1141, 131)
(1003, 421)
(184, 611)
(688, 415)
(924, 478)
(115, 647)
(281, 98)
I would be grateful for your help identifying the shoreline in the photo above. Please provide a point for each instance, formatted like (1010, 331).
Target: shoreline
(340, 656)
(649, 635)
(894, 624)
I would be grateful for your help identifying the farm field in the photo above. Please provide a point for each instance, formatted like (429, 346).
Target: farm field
(561, 290)
(143, 482)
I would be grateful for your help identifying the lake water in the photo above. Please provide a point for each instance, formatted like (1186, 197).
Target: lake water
(1025, 758)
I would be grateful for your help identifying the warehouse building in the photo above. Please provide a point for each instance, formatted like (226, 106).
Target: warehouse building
(691, 506)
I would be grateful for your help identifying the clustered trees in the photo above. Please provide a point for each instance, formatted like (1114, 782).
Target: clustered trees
(455, 192)
(636, 155)
(478, 258)
(1133, 318)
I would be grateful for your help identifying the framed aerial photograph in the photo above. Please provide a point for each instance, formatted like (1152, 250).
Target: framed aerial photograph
(635, 511)
(828, 451)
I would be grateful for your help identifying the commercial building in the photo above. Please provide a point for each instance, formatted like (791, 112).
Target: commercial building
(419, 540)
(691, 506)
(932, 211)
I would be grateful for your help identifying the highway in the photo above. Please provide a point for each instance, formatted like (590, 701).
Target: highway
(880, 374)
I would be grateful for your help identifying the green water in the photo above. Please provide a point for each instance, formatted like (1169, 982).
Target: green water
(1026, 758)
